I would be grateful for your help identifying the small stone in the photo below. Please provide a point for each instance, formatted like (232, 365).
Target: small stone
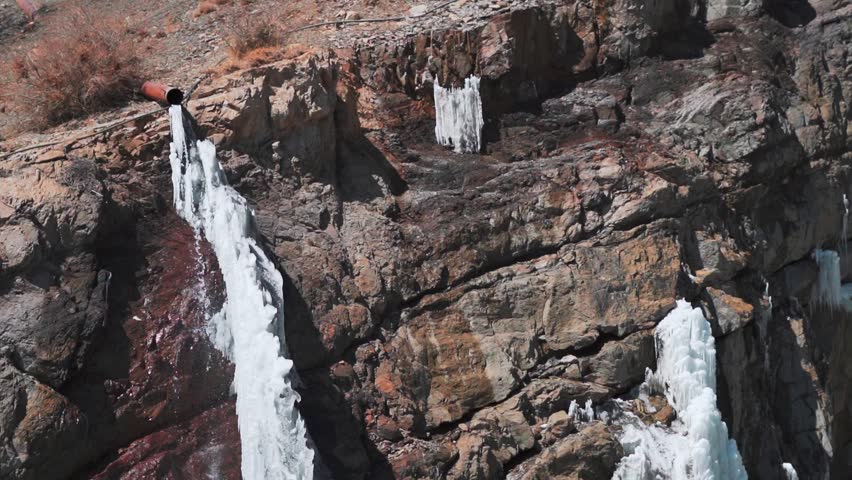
(50, 156)
(665, 415)
(388, 429)
(6, 212)
(561, 424)
(417, 11)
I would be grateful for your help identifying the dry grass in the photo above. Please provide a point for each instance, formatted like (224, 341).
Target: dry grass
(252, 41)
(208, 6)
(85, 63)
(204, 8)
(250, 33)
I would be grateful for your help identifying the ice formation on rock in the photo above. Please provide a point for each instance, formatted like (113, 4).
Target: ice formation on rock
(697, 445)
(763, 318)
(458, 116)
(846, 296)
(845, 226)
(790, 471)
(581, 414)
(651, 451)
(272, 434)
(826, 290)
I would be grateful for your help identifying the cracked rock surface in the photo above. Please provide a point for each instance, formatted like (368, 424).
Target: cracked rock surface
(443, 308)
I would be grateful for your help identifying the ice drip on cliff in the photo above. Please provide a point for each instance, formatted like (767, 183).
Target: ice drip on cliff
(272, 433)
(458, 116)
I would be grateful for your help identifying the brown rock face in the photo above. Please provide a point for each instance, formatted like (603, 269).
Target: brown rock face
(103, 337)
(443, 309)
(593, 453)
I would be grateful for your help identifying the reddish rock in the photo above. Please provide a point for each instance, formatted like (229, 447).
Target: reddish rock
(441, 308)
(206, 446)
(388, 429)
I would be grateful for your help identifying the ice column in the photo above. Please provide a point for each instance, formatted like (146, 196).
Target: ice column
(458, 116)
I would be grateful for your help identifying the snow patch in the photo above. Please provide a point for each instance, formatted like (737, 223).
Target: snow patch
(458, 116)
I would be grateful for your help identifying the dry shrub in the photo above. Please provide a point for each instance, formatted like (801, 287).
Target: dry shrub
(204, 8)
(208, 6)
(251, 32)
(85, 63)
(252, 41)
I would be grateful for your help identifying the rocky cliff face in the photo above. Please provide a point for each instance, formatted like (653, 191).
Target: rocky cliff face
(443, 307)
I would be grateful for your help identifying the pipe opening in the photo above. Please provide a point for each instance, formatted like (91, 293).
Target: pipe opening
(174, 96)
(161, 93)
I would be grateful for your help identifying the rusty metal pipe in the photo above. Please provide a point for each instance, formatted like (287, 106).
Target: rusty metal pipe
(162, 93)
(29, 7)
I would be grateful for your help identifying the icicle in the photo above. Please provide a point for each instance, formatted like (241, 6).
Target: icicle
(766, 294)
(458, 116)
(826, 290)
(686, 360)
(763, 320)
(581, 414)
(272, 434)
(688, 272)
(790, 471)
(588, 413)
(845, 225)
(572, 409)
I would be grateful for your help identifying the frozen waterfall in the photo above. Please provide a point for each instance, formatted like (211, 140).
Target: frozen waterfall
(272, 434)
(697, 446)
(458, 116)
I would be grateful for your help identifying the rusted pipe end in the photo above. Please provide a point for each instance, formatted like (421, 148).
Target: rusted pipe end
(162, 94)
(174, 96)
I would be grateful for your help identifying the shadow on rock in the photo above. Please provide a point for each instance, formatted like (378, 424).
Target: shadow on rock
(791, 13)
(796, 395)
(364, 173)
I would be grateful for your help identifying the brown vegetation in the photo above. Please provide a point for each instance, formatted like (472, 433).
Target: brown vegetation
(84, 64)
(253, 41)
(207, 6)
(251, 33)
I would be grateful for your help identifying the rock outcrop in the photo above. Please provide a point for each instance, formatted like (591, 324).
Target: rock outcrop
(444, 310)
